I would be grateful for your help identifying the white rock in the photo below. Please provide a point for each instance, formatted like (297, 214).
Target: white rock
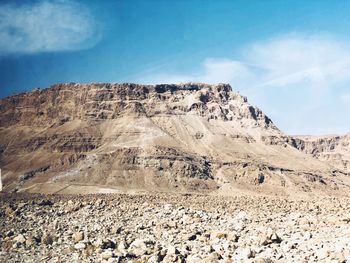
(106, 254)
(79, 246)
(19, 239)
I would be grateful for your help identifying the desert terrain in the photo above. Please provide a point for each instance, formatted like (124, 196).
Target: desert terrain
(190, 172)
(173, 228)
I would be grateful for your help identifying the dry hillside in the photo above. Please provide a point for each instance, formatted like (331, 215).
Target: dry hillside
(87, 138)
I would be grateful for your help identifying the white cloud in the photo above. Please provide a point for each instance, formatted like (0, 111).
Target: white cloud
(222, 70)
(296, 79)
(212, 70)
(296, 59)
(303, 61)
(46, 26)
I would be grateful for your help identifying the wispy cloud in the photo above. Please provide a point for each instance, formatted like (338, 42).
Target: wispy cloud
(46, 26)
(212, 70)
(295, 78)
(278, 62)
(296, 59)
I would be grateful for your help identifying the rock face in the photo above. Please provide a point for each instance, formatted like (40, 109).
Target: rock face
(334, 150)
(79, 138)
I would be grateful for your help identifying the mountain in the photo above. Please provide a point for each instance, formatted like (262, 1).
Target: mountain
(80, 138)
(333, 149)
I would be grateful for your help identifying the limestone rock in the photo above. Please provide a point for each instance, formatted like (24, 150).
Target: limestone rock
(20, 239)
(192, 137)
(79, 236)
(79, 246)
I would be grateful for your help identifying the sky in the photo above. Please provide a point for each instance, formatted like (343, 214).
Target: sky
(290, 58)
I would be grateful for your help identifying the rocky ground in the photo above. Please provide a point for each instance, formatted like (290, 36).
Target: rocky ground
(172, 228)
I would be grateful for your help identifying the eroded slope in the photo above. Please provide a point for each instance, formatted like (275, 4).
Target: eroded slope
(335, 150)
(189, 137)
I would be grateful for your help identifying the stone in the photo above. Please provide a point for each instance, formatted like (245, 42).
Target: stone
(192, 237)
(263, 260)
(218, 234)
(45, 202)
(122, 247)
(9, 211)
(269, 237)
(138, 248)
(80, 246)
(261, 178)
(47, 239)
(106, 255)
(117, 230)
(79, 236)
(171, 250)
(172, 258)
(218, 248)
(98, 243)
(232, 236)
(307, 235)
(275, 238)
(213, 257)
(248, 253)
(30, 241)
(20, 239)
(105, 244)
(21, 205)
(10, 233)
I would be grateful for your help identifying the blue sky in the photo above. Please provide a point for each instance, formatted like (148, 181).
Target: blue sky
(290, 58)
